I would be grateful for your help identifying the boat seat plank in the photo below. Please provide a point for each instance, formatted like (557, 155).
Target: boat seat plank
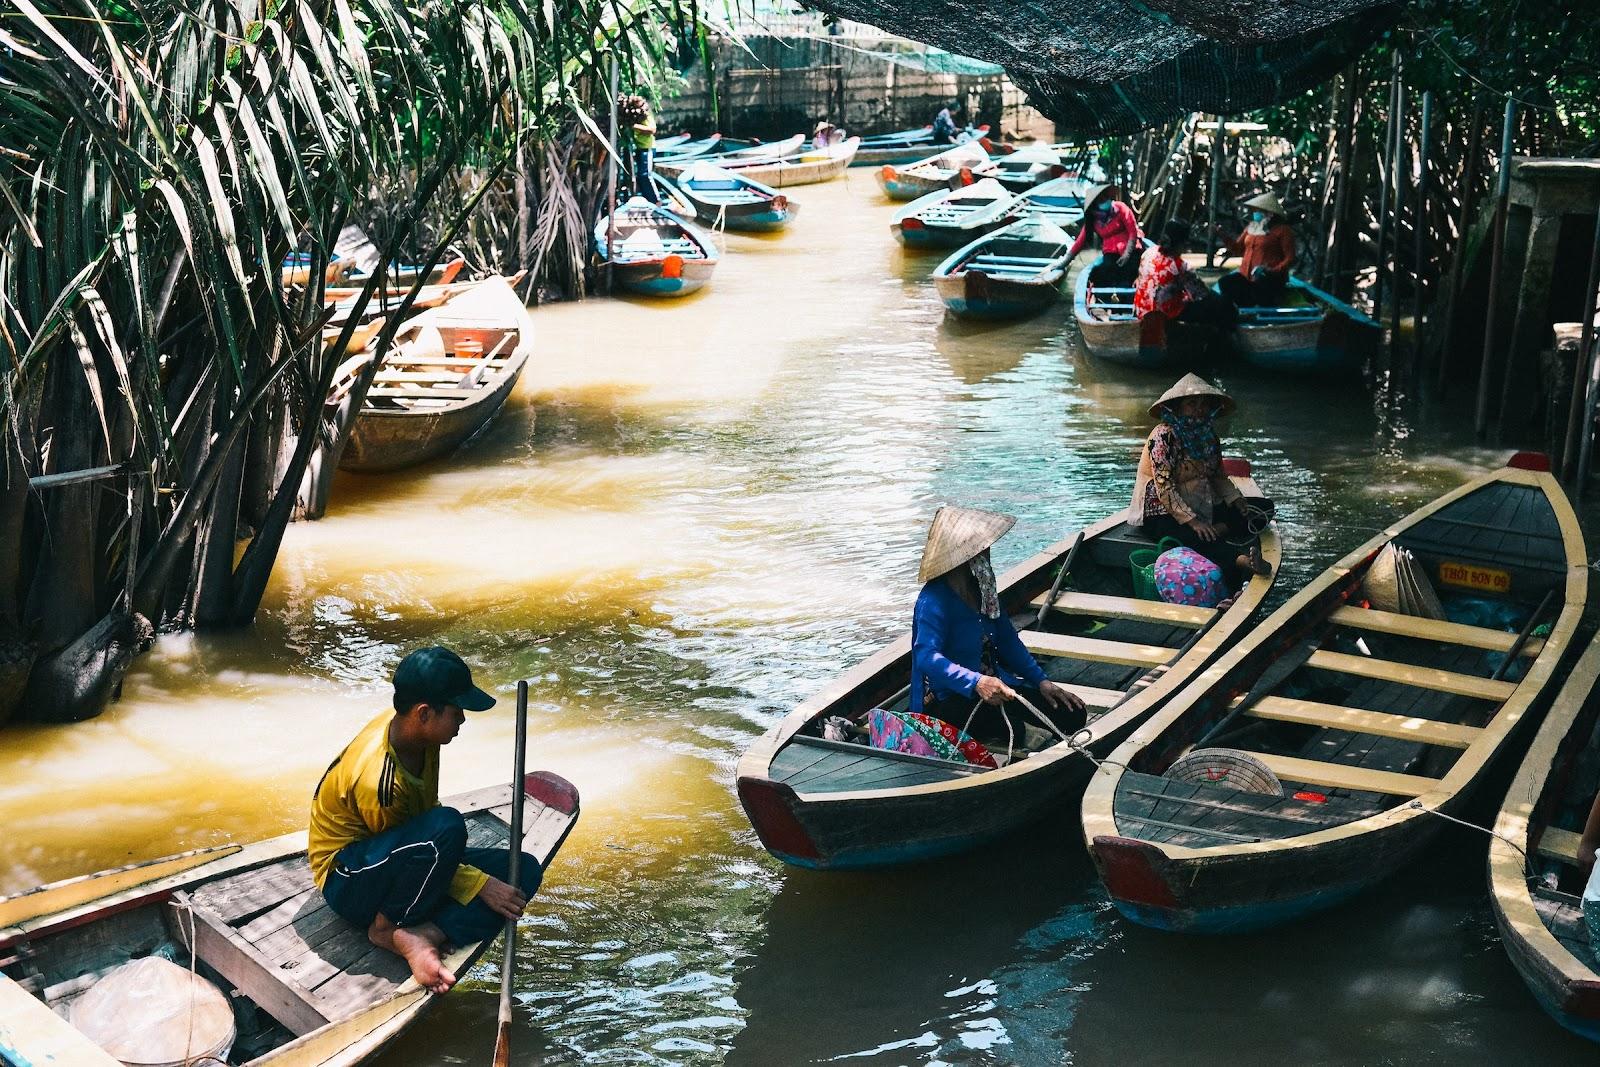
(1563, 917)
(1408, 674)
(44, 1035)
(1453, 633)
(1096, 649)
(403, 359)
(240, 963)
(1357, 720)
(1204, 807)
(1559, 844)
(1339, 776)
(242, 897)
(1072, 602)
(403, 393)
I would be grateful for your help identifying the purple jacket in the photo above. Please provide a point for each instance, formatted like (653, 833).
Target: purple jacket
(947, 646)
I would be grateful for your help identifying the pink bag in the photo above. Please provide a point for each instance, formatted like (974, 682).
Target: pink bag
(1184, 576)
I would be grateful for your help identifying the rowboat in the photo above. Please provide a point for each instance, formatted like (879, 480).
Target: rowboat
(1311, 333)
(950, 218)
(1060, 200)
(962, 164)
(1007, 274)
(404, 275)
(667, 144)
(875, 152)
(1114, 332)
(739, 157)
(441, 286)
(1534, 878)
(297, 268)
(311, 991)
(735, 201)
(447, 373)
(802, 168)
(914, 135)
(656, 252)
(688, 149)
(1027, 168)
(1323, 748)
(837, 805)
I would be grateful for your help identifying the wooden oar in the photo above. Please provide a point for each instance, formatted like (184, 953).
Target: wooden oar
(1061, 576)
(1274, 675)
(502, 1041)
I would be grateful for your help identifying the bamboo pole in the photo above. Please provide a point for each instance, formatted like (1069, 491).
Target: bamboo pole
(1420, 226)
(1217, 140)
(502, 1039)
(1386, 166)
(1459, 268)
(1501, 208)
(1347, 173)
(1330, 163)
(1402, 173)
(611, 183)
(1585, 381)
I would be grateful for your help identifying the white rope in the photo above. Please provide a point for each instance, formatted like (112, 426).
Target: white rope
(1527, 862)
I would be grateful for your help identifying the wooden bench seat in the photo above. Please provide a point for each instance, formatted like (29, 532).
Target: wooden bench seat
(1093, 696)
(1126, 653)
(420, 393)
(1338, 776)
(1452, 633)
(1384, 670)
(1072, 602)
(1356, 720)
(1559, 844)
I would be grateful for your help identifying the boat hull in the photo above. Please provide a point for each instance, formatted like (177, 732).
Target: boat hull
(384, 441)
(1337, 343)
(746, 218)
(661, 279)
(975, 295)
(1153, 342)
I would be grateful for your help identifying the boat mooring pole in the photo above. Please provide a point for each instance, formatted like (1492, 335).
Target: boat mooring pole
(1402, 172)
(1216, 187)
(1421, 228)
(502, 1041)
(1458, 266)
(1386, 156)
(611, 182)
(1501, 209)
(1585, 380)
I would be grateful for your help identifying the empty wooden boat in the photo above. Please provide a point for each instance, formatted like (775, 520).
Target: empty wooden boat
(308, 989)
(876, 153)
(446, 375)
(403, 275)
(432, 294)
(1535, 880)
(1027, 168)
(1113, 331)
(688, 149)
(1007, 274)
(673, 165)
(656, 252)
(840, 805)
(297, 268)
(801, 168)
(950, 218)
(1059, 200)
(1312, 332)
(961, 164)
(1322, 746)
(667, 144)
(725, 199)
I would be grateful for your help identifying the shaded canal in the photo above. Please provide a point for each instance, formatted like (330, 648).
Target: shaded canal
(691, 516)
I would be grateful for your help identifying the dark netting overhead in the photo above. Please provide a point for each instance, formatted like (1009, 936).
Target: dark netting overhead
(1115, 66)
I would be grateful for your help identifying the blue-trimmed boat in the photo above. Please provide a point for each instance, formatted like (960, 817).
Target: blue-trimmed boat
(950, 218)
(1028, 168)
(723, 198)
(1060, 200)
(655, 251)
(1311, 332)
(1008, 274)
(960, 164)
(1113, 331)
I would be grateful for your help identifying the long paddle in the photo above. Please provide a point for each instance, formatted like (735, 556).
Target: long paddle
(1061, 576)
(502, 1040)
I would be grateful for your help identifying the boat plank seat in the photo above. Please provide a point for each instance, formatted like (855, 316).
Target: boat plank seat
(1563, 917)
(1357, 720)
(1127, 653)
(1452, 633)
(1020, 261)
(1559, 844)
(1409, 674)
(419, 393)
(1340, 776)
(402, 359)
(1072, 602)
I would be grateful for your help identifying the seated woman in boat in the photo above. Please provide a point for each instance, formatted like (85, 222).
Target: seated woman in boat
(1166, 283)
(1114, 225)
(386, 856)
(1181, 490)
(967, 663)
(1266, 249)
(944, 123)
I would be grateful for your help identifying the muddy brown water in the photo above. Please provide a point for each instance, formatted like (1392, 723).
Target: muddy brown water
(691, 515)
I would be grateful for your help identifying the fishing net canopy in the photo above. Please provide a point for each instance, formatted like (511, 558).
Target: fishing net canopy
(1117, 66)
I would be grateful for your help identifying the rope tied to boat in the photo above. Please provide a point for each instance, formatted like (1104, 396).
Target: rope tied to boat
(185, 907)
(1527, 861)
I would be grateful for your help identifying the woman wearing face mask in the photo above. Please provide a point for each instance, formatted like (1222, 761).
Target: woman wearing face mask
(1266, 249)
(1181, 490)
(1116, 227)
(967, 662)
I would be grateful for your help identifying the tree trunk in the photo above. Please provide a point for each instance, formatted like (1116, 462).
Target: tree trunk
(78, 681)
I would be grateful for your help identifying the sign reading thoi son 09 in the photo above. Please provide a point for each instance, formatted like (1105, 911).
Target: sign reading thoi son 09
(1467, 576)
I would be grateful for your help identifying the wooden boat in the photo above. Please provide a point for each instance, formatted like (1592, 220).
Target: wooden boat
(403, 275)
(688, 149)
(1535, 882)
(1027, 168)
(1311, 333)
(1372, 721)
(311, 991)
(1060, 200)
(731, 200)
(802, 168)
(446, 375)
(838, 805)
(962, 163)
(431, 294)
(950, 218)
(1114, 332)
(914, 135)
(876, 153)
(667, 144)
(656, 252)
(739, 157)
(1007, 274)
(297, 268)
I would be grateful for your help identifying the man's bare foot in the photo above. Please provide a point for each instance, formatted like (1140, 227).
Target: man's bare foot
(419, 946)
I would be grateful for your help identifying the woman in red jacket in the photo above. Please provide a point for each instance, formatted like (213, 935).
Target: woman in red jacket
(1114, 225)
(1266, 249)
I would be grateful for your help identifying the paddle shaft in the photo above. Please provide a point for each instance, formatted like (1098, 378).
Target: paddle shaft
(1522, 638)
(1061, 576)
(1270, 679)
(502, 1041)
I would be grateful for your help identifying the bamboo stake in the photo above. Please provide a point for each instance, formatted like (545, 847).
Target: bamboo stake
(1386, 163)
(1501, 208)
(1420, 226)
(1458, 273)
(1217, 140)
(1337, 281)
(1402, 169)
(502, 1041)
(1340, 85)
(1585, 380)
(611, 183)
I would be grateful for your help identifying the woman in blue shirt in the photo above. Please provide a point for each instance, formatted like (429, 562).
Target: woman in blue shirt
(967, 661)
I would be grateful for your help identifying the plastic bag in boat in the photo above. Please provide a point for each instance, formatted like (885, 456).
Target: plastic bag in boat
(153, 1013)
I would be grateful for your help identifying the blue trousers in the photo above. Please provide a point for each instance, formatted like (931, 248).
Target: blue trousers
(642, 183)
(405, 873)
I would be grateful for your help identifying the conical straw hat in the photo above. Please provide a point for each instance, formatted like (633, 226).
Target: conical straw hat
(1096, 192)
(957, 535)
(1267, 202)
(1193, 385)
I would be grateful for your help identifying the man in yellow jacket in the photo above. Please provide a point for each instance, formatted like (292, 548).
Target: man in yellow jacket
(385, 854)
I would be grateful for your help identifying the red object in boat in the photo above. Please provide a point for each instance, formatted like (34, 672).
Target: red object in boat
(1311, 798)
(1530, 461)
(672, 266)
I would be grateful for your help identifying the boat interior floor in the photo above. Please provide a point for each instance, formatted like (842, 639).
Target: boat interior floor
(1563, 917)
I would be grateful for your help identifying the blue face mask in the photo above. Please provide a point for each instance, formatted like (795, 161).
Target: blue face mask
(1104, 208)
(1258, 216)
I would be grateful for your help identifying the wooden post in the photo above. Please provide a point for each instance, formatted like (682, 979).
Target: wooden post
(1502, 209)
(1217, 140)
(1459, 265)
(1332, 160)
(1337, 282)
(1402, 174)
(1386, 166)
(1585, 380)
(1420, 225)
(611, 181)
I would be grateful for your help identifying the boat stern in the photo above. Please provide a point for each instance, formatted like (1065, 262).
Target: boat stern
(772, 810)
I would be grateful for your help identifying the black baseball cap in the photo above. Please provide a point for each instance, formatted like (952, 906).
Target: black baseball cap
(437, 675)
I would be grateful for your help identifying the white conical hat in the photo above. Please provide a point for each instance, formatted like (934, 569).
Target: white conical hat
(1267, 202)
(1097, 191)
(1192, 385)
(957, 535)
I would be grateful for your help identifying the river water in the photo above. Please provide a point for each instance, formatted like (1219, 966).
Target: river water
(691, 515)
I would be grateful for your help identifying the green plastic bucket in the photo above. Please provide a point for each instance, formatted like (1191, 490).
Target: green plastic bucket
(1142, 564)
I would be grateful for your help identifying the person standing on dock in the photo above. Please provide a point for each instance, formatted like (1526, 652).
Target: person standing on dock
(1266, 249)
(1116, 227)
(1167, 284)
(1181, 490)
(383, 852)
(642, 131)
(967, 662)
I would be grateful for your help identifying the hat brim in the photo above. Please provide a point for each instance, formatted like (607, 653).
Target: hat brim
(473, 699)
(1225, 404)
